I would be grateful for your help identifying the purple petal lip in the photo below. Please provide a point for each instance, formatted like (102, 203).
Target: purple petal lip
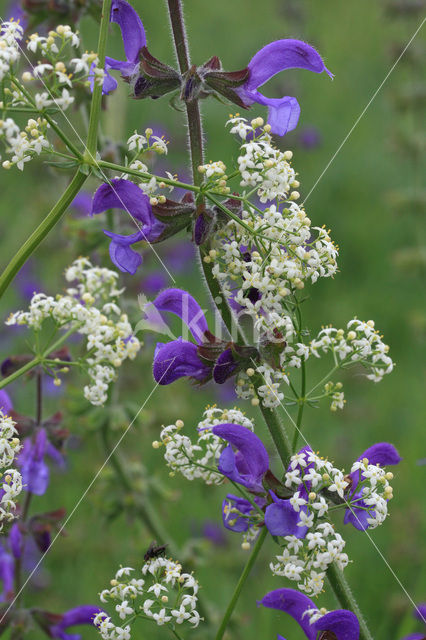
(178, 359)
(183, 305)
(281, 55)
(125, 195)
(281, 519)
(344, 624)
(250, 462)
(283, 113)
(132, 30)
(134, 38)
(382, 454)
(295, 604)
(83, 614)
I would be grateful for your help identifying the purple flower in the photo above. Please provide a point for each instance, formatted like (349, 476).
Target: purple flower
(236, 512)
(277, 56)
(342, 623)
(245, 461)
(5, 402)
(212, 531)
(82, 203)
(133, 33)
(208, 358)
(7, 574)
(382, 454)
(249, 462)
(179, 358)
(31, 460)
(282, 520)
(123, 194)
(55, 626)
(420, 614)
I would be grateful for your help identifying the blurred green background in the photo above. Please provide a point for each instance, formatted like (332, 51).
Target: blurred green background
(371, 197)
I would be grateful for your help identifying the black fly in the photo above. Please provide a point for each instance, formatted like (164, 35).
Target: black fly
(154, 551)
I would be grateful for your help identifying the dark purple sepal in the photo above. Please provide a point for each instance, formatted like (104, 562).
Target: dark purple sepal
(225, 367)
(204, 226)
(42, 526)
(271, 346)
(225, 82)
(153, 78)
(178, 359)
(281, 519)
(171, 212)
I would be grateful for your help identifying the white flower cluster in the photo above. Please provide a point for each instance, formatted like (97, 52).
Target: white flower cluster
(199, 459)
(10, 35)
(59, 68)
(360, 343)
(261, 165)
(288, 252)
(110, 338)
(268, 393)
(165, 594)
(142, 144)
(306, 560)
(23, 145)
(11, 480)
(54, 42)
(373, 492)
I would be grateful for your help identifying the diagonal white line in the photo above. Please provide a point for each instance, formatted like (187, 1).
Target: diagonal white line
(365, 109)
(84, 494)
(388, 565)
(348, 505)
(104, 176)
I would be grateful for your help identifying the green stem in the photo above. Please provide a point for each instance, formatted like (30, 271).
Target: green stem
(36, 361)
(346, 598)
(147, 176)
(95, 107)
(278, 433)
(67, 142)
(301, 401)
(46, 115)
(246, 571)
(35, 239)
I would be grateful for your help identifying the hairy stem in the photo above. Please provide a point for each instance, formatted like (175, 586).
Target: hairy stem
(346, 598)
(297, 429)
(195, 129)
(246, 571)
(35, 239)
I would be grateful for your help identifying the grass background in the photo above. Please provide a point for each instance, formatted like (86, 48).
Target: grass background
(356, 198)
